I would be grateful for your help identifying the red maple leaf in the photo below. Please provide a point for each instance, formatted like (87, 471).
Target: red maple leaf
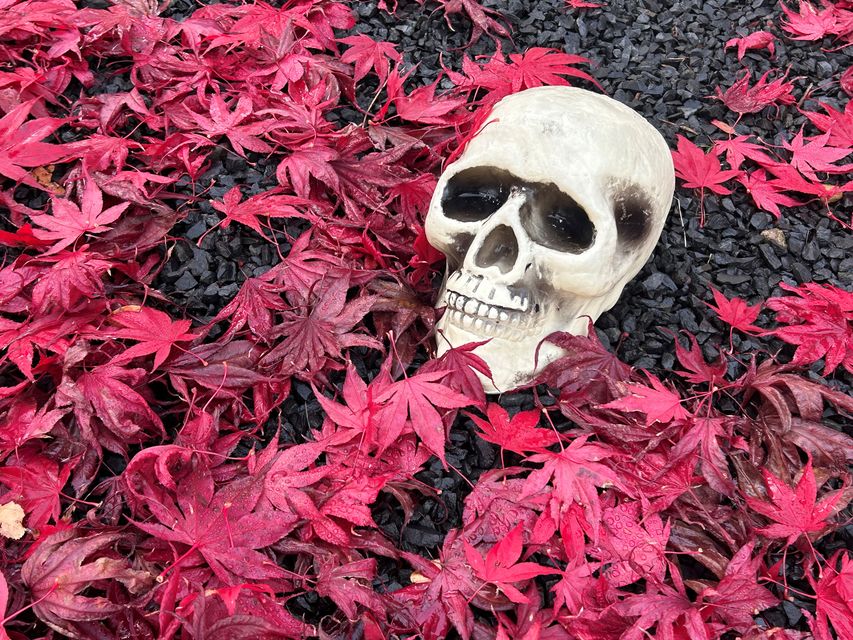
(366, 53)
(21, 145)
(225, 122)
(501, 568)
(820, 323)
(35, 482)
(73, 276)
(632, 545)
(24, 421)
(768, 195)
(223, 526)
(699, 370)
(736, 312)
(838, 124)
(834, 593)
(413, 400)
(582, 4)
(267, 204)
(738, 147)
(320, 331)
(518, 434)
(755, 40)
(814, 155)
(742, 98)
(809, 23)
(481, 18)
(665, 608)
(575, 472)
(535, 67)
(659, 403)
(65, 565)
(701, 170)
(350, 585)
(795, 512)
(156, 332)
(69, 222)
(735, 599)
(702, 435)
(253, 306)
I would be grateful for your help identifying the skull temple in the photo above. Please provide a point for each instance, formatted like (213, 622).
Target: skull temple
(551, 209)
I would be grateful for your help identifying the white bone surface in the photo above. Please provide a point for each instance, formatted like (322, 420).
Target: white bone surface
(593, 149)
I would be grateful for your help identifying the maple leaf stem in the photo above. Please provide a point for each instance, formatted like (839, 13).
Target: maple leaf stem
(178, 561)
(787, 589)
(15, 614)
(79, 501)
(373, 101)
(203, 362)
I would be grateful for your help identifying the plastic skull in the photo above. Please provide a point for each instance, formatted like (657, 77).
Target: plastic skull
(553, 206)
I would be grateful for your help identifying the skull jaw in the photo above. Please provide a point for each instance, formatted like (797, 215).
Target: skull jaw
(513, 362)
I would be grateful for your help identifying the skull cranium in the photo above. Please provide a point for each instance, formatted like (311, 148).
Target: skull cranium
(554, 205)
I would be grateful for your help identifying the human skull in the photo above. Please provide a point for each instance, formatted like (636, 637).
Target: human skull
(553, 206)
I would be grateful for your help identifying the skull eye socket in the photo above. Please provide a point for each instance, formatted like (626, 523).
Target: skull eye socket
(476, 193)
(631, 209)
(553, 219)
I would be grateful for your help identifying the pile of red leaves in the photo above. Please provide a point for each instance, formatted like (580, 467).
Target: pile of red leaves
(142, 495)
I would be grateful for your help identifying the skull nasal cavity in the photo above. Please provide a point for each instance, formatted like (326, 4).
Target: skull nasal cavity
(499, 249)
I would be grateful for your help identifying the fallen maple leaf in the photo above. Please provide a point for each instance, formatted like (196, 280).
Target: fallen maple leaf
(659, 403)
(518, 434)
(66, 564)
(755, 40)
(768, 195)
(834, 594)
(156, 332)
(368, 54)
(809, 23)
(21, 145)
(701, 171)
(820, 323)
(267, 204)
(69, 222)
(795, 512)
(501, 568)
(742, 98)
(413, 400)
(814, 155)
(736, 312)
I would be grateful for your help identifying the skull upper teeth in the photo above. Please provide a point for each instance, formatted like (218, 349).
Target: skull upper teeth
(471, 312)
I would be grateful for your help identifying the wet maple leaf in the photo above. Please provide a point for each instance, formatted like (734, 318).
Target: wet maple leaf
(366, 53)
(743, 98)
(755, 40)
(109, 411)
(413, 400)
(737, 148)
(267, 204)
(69, 222)
(224, 121)
(501, 567)
(699, 370)
(35, 482)
(703, 435)
(21, 145)
(839, 124)
(321, 331)
(795, 512)
(73, 276)
(24, 421)
(254, 306)
(814, 155)
(155, 331)
(701, 170)
(631, 545)
(666, 609)
(657, 402)
(350, 585)
(834, 593)
(483, 19)
(66, 564)
(583, 4)
(737, 597)
(224, 526)
(808, 23)
(768, 195)
(575, 472)
(736, 312)
(517, 434)
(820, 323)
